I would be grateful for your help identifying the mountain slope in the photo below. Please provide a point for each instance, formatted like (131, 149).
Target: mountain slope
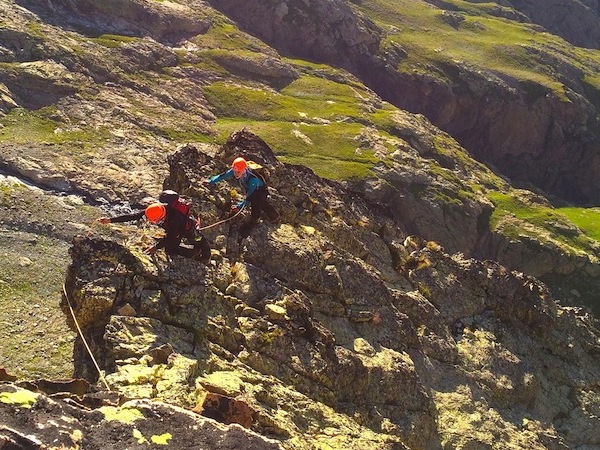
(520, 99)
(95, 97)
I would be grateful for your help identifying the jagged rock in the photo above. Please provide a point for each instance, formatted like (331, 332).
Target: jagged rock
(163, 21)
(226, 410)
(381, 345)
(47, 80)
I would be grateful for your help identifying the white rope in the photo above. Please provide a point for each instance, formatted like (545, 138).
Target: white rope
(83, 338)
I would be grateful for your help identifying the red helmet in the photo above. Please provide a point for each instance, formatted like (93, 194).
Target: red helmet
(239, 166)
(156, 212)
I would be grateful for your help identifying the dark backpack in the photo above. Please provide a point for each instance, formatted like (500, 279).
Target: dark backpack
(173, 200)
(258, 170)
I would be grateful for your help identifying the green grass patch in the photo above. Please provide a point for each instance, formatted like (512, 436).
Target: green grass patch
(506, 203)
(305, 99)
(331, 151)
(186, 135)
(587, 219)
(21, 126)
(223, 35)
(476, 8)
(570, 228)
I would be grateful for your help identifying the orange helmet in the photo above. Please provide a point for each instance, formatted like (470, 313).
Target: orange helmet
(239, 166)
(156, 212)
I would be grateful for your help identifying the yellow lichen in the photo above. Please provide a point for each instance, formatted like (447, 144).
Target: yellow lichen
(162, 439)
(23, 398)
(139, 436)
(125, 415)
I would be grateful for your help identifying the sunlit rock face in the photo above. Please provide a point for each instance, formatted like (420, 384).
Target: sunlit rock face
(332, 322)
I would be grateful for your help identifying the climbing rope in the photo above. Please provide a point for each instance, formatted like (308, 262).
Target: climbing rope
(83, 338)
(125, 229)
(222, 221)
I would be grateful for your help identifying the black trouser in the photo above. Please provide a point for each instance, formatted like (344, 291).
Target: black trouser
(258, 203)
(200, 252)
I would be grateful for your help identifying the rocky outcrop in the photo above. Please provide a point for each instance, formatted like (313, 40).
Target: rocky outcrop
(527, 132)
(163, 21)
(33, 420)
(334, 326)
(324, 30)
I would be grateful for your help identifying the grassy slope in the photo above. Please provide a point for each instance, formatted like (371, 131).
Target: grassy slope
(35, 236)
(311, 121)
(36, 341)
(511, 50)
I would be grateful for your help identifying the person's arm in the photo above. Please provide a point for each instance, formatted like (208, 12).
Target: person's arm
(222, 176)
(123, 218)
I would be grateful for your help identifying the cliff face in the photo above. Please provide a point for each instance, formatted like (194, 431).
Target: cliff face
(335, 327)
(577, 22)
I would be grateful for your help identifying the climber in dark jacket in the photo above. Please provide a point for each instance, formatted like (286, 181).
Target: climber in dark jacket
(256, 191)
(177, 225)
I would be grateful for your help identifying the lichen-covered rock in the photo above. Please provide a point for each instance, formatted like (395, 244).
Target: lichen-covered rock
(35, 421)
(302, 333)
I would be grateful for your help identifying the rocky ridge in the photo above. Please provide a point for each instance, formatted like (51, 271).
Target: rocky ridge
(136, 424)
(335, 327)
(94, 87)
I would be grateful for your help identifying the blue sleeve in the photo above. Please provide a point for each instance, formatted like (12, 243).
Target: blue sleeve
(222, 176)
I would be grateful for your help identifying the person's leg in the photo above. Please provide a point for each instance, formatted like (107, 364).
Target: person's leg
(172, 247)
(256, 202)
(255, 209)
(202, 249)
(261, 203)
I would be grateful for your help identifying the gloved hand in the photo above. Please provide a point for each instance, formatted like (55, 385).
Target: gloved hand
(205, 182)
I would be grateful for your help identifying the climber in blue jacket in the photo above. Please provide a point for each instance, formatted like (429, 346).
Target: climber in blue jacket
(255, 187)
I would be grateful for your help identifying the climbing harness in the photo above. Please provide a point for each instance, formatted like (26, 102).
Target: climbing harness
(83, 338)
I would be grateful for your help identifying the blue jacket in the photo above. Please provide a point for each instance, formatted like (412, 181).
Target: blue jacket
(249, 181)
